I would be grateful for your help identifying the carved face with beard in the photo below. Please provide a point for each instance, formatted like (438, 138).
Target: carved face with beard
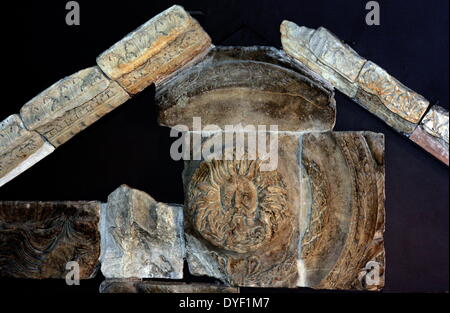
(236, 206)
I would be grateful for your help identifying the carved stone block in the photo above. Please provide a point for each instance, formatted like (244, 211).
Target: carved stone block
(316, 221)
(72, 104)
(139, 286)
(19, 148)
(323, 53)
(38, 239)
(362, 80)
(432, 133)
(435, 122)
(342, 209)
(242, 221)
(247, 86)
(155, 50)
(141, 238)
(394, 95)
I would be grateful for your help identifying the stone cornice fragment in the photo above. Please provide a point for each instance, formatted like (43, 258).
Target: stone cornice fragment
(155, 50)
(19, 148)
(141, 237)
(38, 239)
(362, 80)
(72, 104)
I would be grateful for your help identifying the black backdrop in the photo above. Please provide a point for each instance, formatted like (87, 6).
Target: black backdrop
(127, 146)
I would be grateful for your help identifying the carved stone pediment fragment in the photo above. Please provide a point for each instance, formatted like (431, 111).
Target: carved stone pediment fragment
(19, 148)
(316, 221)
(141, 238)
(72, 104)
(343, 194)
(38, 239)
(155, 50)
(248, 86)
(362, 80)
(432, 133)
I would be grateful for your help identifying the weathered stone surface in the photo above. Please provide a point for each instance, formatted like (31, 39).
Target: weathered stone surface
(19, 148)
(435, 122)
(38, 239)
(241, 221)
(432, 133)
(141, 238)
(362, 80)
(72, 104)
(316, 221)
(155, 50)
(248, 86)
(343, 197)
(394, 95)
(323, 53)
(139, 286)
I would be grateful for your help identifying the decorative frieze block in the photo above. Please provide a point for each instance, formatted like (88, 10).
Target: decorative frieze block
(139, 286)
(39, 239)
(19, 148)
(362, 80)
(432, 133)
(155, 50)
(141, 238)
(72, 104)
(247, 86)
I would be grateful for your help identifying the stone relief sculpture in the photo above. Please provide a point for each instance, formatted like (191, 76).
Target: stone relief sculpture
(314, 220)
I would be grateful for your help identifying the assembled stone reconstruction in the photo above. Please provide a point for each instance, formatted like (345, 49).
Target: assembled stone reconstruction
(315, 219)
(369, 85)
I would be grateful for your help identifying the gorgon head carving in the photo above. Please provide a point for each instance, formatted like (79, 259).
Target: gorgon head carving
(235, 206)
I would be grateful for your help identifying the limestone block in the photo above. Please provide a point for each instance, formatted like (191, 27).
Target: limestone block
(432, 133)
(38, 239)
(155, 50)
(316, 220)
(72, 104)
(141, 238)
(139, 286)
(342, 185)
(19, 148)
(241, 220)
(363, 81)
(247, 86)
(435, 122)
(323, 53)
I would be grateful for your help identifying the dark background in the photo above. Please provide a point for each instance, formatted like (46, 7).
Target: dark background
(127, 146)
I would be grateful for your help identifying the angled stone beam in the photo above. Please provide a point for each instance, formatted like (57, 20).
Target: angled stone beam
(38, 239)
(139, 286)
(155, 50)
(150, 54)
(72, 104)
(432, 133)
(19, 148)
(360, 79)
(366, 83)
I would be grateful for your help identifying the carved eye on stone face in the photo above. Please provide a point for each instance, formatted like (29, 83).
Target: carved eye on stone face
(237, 207)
